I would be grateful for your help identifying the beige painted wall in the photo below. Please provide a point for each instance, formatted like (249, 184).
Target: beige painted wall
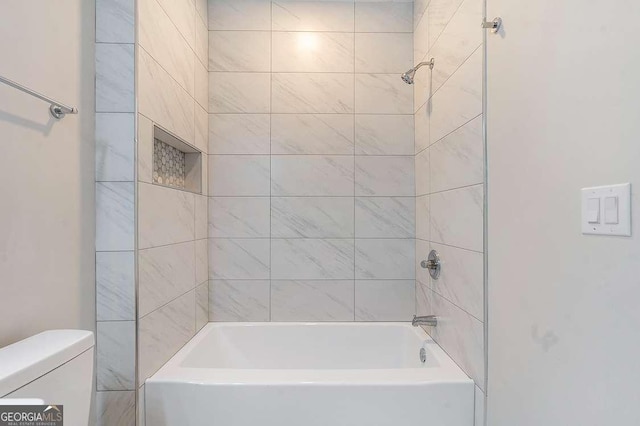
(562, 114)
(46, 169)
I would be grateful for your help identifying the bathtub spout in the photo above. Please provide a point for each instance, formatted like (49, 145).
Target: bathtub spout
(430, 320)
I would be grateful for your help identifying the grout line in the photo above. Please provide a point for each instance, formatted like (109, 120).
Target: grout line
(450, 75)
(452, 189)
(449, 134)
(450, 301)
(449, 245)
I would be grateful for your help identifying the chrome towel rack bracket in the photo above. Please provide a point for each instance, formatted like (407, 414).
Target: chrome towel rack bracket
(57, 109)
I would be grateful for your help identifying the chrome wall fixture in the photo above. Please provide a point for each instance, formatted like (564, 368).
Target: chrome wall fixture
(433, 264)
(494, 25)
(408, 76)
(57, 109)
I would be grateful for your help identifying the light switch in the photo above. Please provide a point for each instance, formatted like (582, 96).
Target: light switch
(611, 210)
(606, 210)
(593, 210)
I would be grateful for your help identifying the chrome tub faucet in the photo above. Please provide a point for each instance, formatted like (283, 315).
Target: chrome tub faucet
(430, 320)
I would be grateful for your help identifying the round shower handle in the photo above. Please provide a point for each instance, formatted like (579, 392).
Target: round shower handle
(432, 264)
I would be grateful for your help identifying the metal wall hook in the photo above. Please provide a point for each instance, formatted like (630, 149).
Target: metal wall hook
(494, 25)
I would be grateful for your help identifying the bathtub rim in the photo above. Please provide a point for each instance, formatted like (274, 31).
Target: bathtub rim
(172, 371)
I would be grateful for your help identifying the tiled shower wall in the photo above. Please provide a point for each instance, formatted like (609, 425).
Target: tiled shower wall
(311, 167)
(171, 223)
(449, 179)
(115, 213)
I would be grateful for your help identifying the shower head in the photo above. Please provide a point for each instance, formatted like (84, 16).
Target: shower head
(408, 77)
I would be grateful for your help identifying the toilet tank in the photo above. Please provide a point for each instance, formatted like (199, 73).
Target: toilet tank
(55, 366)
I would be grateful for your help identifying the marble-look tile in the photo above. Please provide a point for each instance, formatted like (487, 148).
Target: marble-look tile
(320, 15)
(460, 335)
(202, 131)
(385, 217)
(115, 21)
(381, 259)
(311, 259)
(116, 408)
(302, 175)
(239, 175)
(163, 332)
(312, 134)
(202, 86)
(312, 217)
(439, 14)
(183, 15)
(140, 407)
(239, 300)
(384, 17)
(201, 10)
(422, 275)
(145, 149)
(115, 147)
(248, 51)
(423, 305)
(385, 176)
(392, 300)
(421, 39)
(163, 100)
(202, 261)
(457, 217)
(165, 216)
(239, 133)
(162, 40)
(239, 259)
(458, 159)
(312, 300)
(479, 407)
(201, 48)
(114, 78)
(384, 135)
(459, 100)
(312, 93)
(312, 52)
(204, 168)
(384, 52)
(383, 94)
(419, 9)
(461, 279)
(239, 92)
(116, 355)
(423, 177)
(422, 118)
(164, 273)
(115, 216)
(201, 217)
(461, 37)
(422, 217)
(202, 305)
(115, 286)
(239, 217)
(239, 15)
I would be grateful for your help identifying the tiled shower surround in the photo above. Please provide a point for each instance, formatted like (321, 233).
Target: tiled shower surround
(311, 167)
(449, 179)
(310, 208)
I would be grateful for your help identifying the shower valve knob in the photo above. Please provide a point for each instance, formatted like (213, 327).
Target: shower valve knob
(432, 264)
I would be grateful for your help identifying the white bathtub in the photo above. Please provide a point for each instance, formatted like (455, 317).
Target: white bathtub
(293, 374)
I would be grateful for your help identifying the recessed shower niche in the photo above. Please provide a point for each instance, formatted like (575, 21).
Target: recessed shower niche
(176, 164)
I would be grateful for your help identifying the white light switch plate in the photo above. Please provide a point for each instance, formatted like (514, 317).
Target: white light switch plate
(623, 194)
